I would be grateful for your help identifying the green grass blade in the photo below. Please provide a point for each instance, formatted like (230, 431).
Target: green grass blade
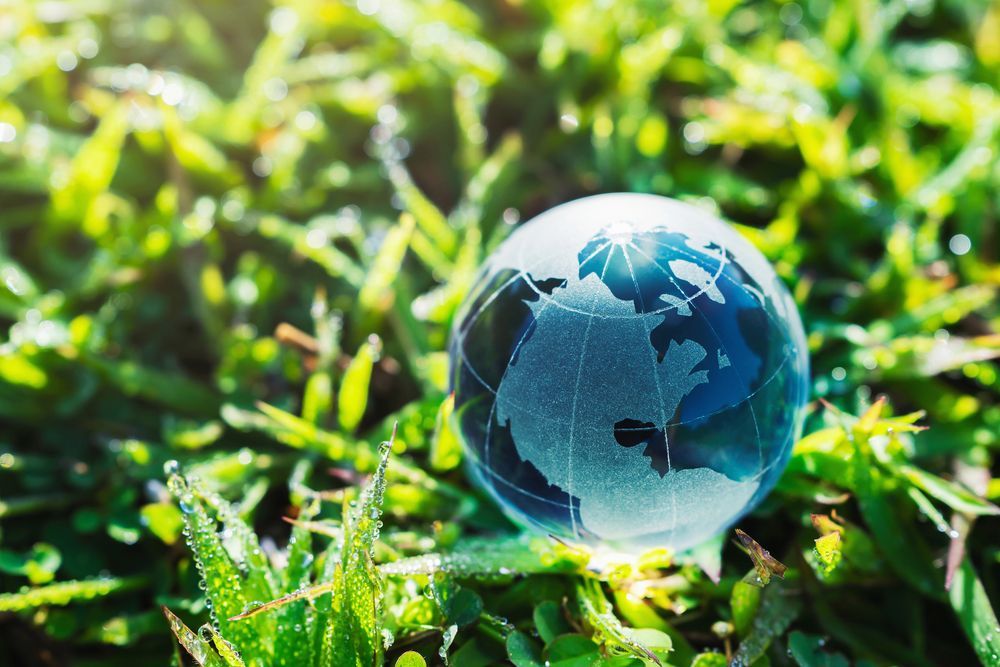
(355, 626)
(66, 592)
(776, 612)
(377, 293)
(226, 585)
(230, 656)
(352, 400)
(494, 557)
(975, 613)
(647, 645)
(199, 649)
(294, 621)
(951, 494)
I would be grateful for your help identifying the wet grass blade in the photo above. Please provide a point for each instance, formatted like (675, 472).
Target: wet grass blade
(776, 612)
(494, 557)
(67, 592)
(226, 584)
(650, 646)
(975, 613)
(354, 631)
(198, 648)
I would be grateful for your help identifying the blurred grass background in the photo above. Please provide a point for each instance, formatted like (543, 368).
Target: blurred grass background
(208, 204)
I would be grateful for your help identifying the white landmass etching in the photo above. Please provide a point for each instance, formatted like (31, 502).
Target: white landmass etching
(603, 468)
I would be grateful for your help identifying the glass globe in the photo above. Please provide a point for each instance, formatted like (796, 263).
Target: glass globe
(629, 373)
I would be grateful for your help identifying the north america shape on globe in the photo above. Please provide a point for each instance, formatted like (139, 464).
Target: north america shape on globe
(629, 373)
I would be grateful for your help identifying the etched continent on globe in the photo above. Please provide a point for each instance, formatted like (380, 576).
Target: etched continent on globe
(628, 372)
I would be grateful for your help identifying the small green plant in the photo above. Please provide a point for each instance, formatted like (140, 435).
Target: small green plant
(345, 609)
(266, 615)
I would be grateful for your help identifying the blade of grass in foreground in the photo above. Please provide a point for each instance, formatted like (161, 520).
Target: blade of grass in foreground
(975, 613)
(353, 636)
(776, 612)
(199, 649)
(650, 646)
(226, 585)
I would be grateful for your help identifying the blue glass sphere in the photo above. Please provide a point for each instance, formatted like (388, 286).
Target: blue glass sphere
(629, 373)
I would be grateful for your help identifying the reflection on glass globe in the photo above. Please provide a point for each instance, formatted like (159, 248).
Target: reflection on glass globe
(629, 373)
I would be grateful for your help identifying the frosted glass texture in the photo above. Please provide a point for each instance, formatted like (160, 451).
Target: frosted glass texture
(629, 373)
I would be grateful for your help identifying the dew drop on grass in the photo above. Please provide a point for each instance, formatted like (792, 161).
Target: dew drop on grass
(447, 637)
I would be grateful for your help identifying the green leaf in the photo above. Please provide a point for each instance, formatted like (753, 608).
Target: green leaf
(410, 659)
(657, 642)
(570, 650)
(90, 172)
(609, 631)
(195, 152)
(446, 449)
(427, 216)
(325, 254)
(951, 494)
(188, 434)
(353, 397)
(127, 630)
(317, 400)
(377, 291)
(492, 557)
(170, 390)
(230, 657)
(710, 659)
(901, 545)
(229, 588)
(523, 651)
(463, 608)
(777, 611)
(807, 651)
(299, 433)
(198, 648)
(550, 621)
(744, 602)
(975, 613)
(477, 651)
(163, 520)
(39, 565)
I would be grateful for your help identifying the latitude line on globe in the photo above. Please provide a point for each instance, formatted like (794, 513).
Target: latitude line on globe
(484, 468)
(762, 386)
(688, 255)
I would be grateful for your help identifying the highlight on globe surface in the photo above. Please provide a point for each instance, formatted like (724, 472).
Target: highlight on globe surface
(409, 333)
